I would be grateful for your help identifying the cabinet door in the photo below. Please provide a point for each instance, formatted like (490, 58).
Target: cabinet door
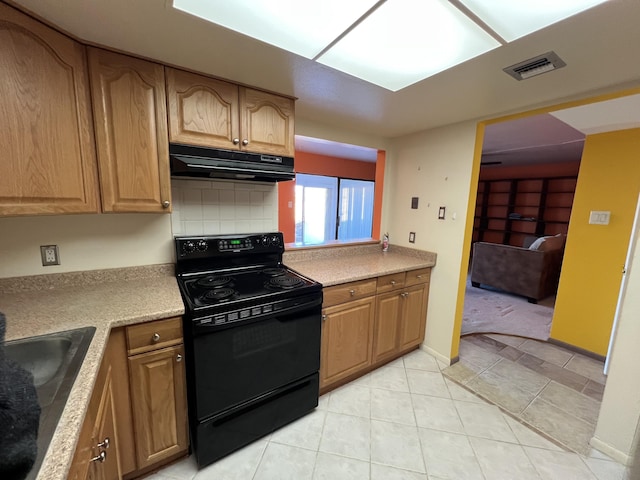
(131, 132)
(388, 311)
(105, 431)
(414, 313)
(347, 335)
(202, 111)
(267, 123)
(48, 159)
(158, 398)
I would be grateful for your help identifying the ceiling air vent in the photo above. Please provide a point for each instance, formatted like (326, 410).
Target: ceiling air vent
(535, 66)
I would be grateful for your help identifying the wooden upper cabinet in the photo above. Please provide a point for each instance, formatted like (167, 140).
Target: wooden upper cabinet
(202, 111)
(213, 113)
(129, 102)
(267, 123)
(48, 159)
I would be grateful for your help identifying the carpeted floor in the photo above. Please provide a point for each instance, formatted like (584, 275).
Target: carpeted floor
(491, 311)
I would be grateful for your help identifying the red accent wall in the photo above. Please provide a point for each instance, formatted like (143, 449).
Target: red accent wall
(315, 164)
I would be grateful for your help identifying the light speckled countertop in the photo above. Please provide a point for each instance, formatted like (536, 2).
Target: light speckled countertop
(348, 264)
(103, 299)
(106, 299)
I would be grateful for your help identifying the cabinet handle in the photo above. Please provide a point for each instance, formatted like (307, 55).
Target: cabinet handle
(105, 443)
(352, 292)
(166, 204)
(418, 276)
(324, 317)
(404, 294)
(236, 141)
(155, 337)
(101, 457)
(245, 142)
(178, 358)
(393, 282)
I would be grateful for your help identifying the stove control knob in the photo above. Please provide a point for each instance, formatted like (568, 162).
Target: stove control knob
(189, 246)
(264, 241)
(275, 240)
(202, 245)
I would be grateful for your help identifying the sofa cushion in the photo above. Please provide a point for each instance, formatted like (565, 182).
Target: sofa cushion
(552, 243)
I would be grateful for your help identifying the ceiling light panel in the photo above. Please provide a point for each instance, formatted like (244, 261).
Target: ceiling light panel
(512, 19)
(299, 26)
(405, 41)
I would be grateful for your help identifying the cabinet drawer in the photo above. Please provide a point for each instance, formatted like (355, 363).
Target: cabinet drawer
(348, 291)
(421, 275)
(391, 282)
(149, 336)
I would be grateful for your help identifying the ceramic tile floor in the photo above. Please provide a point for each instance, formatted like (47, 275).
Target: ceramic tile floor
(553, 389)
(404, 421)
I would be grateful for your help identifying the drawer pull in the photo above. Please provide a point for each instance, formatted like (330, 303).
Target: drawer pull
(352, 292)
(324, 317)
(104, 444)
(418, 276)
(101, 457)
(393, 282)
(155, 337)
(404, 294)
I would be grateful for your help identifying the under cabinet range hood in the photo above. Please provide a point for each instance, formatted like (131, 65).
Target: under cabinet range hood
(203, 162)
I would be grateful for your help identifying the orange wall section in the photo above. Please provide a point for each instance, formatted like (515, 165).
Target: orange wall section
(315, 164)
(609, 180)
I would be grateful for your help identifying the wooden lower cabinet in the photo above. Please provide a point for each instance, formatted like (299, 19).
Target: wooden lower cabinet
(158, 399)
(347, 336)
(364, 333)
(138, 403)
(98, 452)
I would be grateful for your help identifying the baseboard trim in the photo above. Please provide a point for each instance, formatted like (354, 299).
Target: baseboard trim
(446, 360)
(612, 452)
(575, 349)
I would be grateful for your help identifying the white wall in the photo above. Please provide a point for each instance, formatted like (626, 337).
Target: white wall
(436, 167)
(619, 420)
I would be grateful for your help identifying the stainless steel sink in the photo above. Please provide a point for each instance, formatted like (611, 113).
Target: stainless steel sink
(54, 361)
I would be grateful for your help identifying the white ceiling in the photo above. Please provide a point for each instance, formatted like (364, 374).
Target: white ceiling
(600, 47)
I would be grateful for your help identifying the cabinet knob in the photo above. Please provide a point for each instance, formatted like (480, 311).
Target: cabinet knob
(166, 204)
(236, 141)
(404, 294)
(101, 457)
(324, 317)
(352, 292)
(105, 443)
(393, 282)
(155, 337)
(418, 276)
(178, 358)
(245, 142)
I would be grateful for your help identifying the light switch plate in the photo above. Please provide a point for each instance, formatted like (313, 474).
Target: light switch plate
(412, 237)
(598, 217)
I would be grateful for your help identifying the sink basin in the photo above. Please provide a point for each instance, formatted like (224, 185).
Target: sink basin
(42, 356)
(54, 361)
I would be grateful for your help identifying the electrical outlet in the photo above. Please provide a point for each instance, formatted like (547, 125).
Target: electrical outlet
(412, 237)
(49, 254)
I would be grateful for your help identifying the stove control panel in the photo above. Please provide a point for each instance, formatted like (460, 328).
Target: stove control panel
(212, 246)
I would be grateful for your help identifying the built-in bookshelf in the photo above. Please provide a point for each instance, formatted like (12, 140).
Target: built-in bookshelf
(509, 210)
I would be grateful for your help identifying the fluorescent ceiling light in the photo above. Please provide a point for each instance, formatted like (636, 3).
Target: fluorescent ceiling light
(432, 37)
(513, 19)
(299, 26)
(390, 43)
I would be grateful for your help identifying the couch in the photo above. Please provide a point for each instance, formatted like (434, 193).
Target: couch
(531, 272)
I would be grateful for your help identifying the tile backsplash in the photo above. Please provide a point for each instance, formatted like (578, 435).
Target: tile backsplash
(212, 207)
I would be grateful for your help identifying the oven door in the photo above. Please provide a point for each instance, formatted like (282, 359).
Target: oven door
(235, 364)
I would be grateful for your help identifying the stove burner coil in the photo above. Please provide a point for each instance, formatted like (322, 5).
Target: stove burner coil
(284, 282)
(274, 271)
(214, 281)
(218, 294)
